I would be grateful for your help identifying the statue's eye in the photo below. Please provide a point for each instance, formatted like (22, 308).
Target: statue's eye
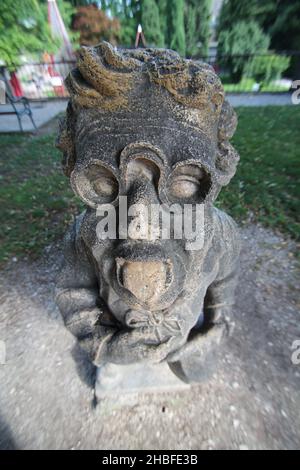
(103, 183)
(104, 186)
(184, 186)
(188, 183)
(95, 184)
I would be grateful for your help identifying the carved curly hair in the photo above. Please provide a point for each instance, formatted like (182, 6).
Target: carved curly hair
(106, 77)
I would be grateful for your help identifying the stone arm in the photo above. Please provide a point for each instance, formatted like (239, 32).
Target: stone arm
(77, 296)
(219, 299)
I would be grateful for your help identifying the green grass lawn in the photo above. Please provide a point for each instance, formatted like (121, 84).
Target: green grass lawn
(247, 85)
(267, 180)
(37, 203)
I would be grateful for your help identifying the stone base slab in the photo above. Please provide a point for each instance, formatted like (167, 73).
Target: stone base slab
(117, 381)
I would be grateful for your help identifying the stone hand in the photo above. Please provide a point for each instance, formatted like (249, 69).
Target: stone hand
(138, 345)
(201, 344)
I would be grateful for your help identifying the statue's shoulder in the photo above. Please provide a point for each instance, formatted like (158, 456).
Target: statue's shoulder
(86, 229)
(73, 236)
(225, 228)
(78, 223)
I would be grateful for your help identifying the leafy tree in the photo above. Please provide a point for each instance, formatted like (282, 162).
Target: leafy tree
(191, 29)
(197, 26)
(234, 11)
(24, 30)
(128, 13)
(278, 18)
(203, 25)
(151, 23)
(283, 27)
(162, 7)
(265, 69)
(94, 25)
(176, 32)
(242, 40)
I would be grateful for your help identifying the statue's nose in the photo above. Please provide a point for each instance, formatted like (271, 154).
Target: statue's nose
(143, 204)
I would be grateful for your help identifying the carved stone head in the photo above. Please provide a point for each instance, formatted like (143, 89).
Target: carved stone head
(152, 126)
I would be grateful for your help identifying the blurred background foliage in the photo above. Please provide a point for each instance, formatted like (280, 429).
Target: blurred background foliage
(256, 27)
(243, 27)
(23, 28)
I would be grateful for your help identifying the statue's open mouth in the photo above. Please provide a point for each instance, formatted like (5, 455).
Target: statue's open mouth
(146, 280)
(146, 277)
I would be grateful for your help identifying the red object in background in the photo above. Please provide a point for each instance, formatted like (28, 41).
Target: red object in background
(16, 85)
(51, 71)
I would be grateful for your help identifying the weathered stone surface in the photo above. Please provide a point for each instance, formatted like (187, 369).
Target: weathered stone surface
(114, 380)
(151, 126)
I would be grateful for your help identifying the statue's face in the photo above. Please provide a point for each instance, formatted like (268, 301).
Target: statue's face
(152, 166)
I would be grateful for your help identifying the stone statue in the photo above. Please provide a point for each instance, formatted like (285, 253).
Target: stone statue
(154, 127)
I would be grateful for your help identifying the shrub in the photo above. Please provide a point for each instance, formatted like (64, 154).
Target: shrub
(238, 43)
(151, 23)
(265, 69)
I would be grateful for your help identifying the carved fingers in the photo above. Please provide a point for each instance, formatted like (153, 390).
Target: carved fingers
(92, 328)
(201, 344)
(135, 346)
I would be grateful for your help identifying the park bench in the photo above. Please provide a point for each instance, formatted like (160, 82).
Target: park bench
(20, 106)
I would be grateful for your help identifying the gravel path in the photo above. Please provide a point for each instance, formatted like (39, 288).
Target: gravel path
(252, 401)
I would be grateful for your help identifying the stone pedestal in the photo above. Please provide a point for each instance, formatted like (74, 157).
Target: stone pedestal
(117, 381)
